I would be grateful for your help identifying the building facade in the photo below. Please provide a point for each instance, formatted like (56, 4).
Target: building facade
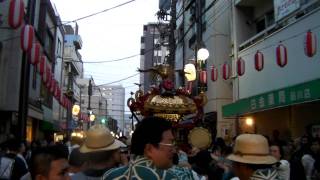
(72, 70)
(23, 83)
(282, 92)
(115, 98)
(206, 24)
(154, 52)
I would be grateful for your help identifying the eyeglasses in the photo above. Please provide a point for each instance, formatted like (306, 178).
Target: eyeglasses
(168, 144)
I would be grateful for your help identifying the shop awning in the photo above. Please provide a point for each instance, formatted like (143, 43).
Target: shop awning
(297, 94)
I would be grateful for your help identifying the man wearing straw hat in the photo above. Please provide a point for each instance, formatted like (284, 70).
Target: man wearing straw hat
(101, 151)
(251, 158)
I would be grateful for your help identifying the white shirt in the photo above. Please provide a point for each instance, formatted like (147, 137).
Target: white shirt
(307, 162)
(284, 169)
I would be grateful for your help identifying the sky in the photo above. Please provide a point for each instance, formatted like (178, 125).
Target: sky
(110, 35)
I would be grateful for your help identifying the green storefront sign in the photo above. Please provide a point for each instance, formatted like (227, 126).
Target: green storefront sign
(305, 92)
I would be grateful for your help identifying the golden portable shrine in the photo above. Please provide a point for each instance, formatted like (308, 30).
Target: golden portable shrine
(173, 104)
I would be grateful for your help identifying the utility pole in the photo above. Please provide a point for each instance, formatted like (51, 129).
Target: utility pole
(172, 27)
(70, 96)
(20, 131)
(89, 101)
(198, 24)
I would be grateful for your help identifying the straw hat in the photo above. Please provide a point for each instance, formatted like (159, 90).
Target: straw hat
(252, 149)
(99, 138)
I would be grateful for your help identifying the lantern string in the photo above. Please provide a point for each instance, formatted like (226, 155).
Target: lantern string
(271, 45)
(78, 19)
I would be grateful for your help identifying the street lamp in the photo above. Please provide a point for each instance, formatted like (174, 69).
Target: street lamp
(92, 117)
(249, 121)
(198, 68)
(75, 109)
(202, 54)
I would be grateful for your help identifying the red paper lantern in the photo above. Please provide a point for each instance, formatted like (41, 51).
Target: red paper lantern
(61, 100)
(226, 71)
(46, 74)
(59, 95)
(56, 90)
(282, 57)
(53, 86)
(189, 87)
(203, 77)
(258, 61)
(214, 73)
(16, 13)
(49, 83)
(310, 44)
(26, 38)
(41, 65)
(34, 54)
(240, 67)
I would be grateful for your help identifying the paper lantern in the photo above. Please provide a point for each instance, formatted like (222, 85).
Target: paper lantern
(56, 89)
(190, 72)
(214, 73)
(240, 66)
(258, 61)
(282, 56)
(26, 38)
(41, 64)
(189, 87)
(310, 44)
(53, 86)
(203, 77)
(34, 54)
(16, 13)
(46, 74)
(226, 71)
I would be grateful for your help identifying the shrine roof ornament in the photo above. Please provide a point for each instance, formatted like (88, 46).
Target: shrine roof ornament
(164, 100)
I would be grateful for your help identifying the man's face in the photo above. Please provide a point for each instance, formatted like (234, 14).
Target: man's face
(59, 170)
(315, 147)
(275, 152)
(163, 154)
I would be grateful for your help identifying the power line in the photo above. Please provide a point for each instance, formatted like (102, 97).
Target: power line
(93, 14)
(78, 19)
(120, 59)
(119, 80)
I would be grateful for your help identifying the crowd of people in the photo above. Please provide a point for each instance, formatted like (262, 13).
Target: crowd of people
(152, 153)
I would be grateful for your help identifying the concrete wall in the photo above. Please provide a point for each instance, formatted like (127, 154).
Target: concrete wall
(10, 63)
(217, 39)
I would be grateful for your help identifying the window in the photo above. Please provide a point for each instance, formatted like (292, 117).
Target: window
(157, 53)
(142, 40)
(49, 43)
(265, 21)
(141, 51)
(156, 41)
(192, 40)
(59, 48)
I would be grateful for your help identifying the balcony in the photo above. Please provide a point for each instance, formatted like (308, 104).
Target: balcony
(249, 3)
(73, 56)
(75, 39)
(76, 91)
